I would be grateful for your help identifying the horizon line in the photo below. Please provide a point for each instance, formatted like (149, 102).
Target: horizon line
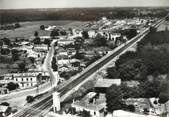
(87, 7)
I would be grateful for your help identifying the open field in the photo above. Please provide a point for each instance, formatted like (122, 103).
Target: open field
(28, 28)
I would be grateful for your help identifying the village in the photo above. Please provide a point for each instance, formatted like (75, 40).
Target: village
(23, 63)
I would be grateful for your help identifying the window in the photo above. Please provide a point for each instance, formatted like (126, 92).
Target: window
(31, 79)
(27, 79)
(31, 84)
(27, 84)
(22, 79)
(16, 79)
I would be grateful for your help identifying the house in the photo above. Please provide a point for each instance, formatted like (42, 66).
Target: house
(122, 113)
(102, 84)
(63, 68)
(25, 80)
(131, 83)
(3, 110)
(91, 103)
(68, 64)
(92, 33)
(4, 46)
(3, 91)
(163, 109)
(62, 42)
(50, 28)
(140, 104)
(40, 47)
(62, 52)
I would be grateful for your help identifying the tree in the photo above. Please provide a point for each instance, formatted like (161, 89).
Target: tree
(129, 33)
(85, 34)
(63, 33)
(32, 59)
(37, 40)
(5, 51)
(36, 34)
(131, 108)
(7, 41)
(164, 89)
(129, 55)
(155, 60)
(79, 41)
(54, 64)
(114, 98)
(17, 25)
(163, 97)
(47, 42)
(15, 55)
(100, 40)
(151, 88)
(12, 86)
(22, 66)
(54, 33)
(29, 99)
(152, 29)
(42, 27)
(112, 73)
(1, 43)
(5, 104)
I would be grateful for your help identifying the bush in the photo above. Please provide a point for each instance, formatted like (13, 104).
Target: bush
(5, 104)
(29, 99)
(12, 86)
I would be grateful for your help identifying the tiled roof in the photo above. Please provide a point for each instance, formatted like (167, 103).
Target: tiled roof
(107, 82)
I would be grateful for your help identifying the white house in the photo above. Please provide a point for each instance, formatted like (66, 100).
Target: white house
(40, 47)
(89, 103)
(25, 80)
(121, 113)
(63, 42)
(92, 33)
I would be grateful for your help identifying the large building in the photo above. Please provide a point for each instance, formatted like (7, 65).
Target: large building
(26, 80)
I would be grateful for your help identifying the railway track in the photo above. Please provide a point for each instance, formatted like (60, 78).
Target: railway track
(46, 103)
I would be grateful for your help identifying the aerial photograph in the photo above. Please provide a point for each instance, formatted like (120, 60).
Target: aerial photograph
(84, 58)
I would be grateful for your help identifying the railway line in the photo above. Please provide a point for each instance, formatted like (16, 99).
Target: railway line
(46, 103)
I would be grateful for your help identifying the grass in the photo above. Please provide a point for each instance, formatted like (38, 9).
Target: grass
(28, 28)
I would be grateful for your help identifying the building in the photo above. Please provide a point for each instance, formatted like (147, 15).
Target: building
(92, 33)
(3, 110)
(25, 80)
(3, 90)
(63, 42)
(140, 104)
(91, 103)
(131, 83)
(122, 113)
(163, 109)
(102, 84)
(40, 47)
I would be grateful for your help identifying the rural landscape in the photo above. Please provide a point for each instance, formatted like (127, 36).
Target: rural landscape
(84, 62)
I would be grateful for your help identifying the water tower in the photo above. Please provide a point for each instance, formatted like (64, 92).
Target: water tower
(56, 101)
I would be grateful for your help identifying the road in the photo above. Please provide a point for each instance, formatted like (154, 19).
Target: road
(46, 103)
(21, 95)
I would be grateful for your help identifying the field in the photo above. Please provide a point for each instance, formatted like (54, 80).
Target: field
(28, 28)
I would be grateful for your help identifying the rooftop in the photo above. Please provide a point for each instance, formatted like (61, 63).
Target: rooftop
(105, 83)
(96, 105)
(121, 113)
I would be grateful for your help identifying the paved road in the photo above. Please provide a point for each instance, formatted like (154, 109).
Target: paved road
(21, 95)
(46, 103)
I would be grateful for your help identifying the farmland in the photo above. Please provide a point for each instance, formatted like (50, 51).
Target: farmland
(28, 28)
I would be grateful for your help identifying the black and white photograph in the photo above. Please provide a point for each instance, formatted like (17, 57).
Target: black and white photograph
(84, 58)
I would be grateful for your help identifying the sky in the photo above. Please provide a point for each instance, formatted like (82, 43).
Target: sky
(22, 4)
